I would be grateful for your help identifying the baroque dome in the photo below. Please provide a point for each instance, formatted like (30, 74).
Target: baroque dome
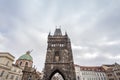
(26, 56)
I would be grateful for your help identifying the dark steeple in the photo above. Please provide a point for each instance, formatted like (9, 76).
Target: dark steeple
(57, 32)
(59, 57)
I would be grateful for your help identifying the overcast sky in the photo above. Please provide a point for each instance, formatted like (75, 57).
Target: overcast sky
(92, 25)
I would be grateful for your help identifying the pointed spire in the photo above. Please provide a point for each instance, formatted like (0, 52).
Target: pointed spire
(49, 33)
(58, 31)
(66, 33)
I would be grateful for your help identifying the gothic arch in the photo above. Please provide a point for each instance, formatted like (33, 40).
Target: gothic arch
(56, 71)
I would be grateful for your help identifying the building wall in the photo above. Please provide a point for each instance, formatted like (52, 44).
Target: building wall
(6, 59)
(78, 73)
(7, 70)
(30, 73)
(4, 74)
(117, 71)
(112, 71)
(93, 75)
(117, 74)
(110, 75)
(22, 63)
(88, 73)
(15, 73)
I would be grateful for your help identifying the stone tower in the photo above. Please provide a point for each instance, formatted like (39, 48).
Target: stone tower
(59, 58)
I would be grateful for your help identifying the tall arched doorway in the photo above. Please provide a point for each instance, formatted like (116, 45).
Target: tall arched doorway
(57, 75)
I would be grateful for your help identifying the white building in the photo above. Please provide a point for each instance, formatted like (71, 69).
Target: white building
(90, 73)
(15, 73)
(78, 72)
(9, 71)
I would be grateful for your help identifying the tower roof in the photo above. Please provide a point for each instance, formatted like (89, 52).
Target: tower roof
(57, 32)
(26, 56)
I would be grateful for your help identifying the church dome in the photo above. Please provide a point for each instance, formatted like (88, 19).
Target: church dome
(26, 56)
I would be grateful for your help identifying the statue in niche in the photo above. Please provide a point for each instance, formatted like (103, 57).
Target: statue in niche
(57, 56)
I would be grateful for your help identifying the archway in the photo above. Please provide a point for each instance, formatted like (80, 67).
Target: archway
(57, 75)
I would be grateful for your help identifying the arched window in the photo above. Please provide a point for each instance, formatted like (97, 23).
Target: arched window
(20, 63)
(26, 64)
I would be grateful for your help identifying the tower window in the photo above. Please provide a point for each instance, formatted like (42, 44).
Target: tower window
(26, 64)
(20, 63)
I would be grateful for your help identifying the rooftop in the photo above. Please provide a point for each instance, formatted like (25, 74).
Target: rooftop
(26, 56)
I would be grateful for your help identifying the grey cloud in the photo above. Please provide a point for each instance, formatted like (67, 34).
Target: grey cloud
(91, 26)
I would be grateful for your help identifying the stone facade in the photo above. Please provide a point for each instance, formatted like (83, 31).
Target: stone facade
(112, 71)
(23, 63)
(30, 73)
(8, 70)
(15, 73)
(59, 57)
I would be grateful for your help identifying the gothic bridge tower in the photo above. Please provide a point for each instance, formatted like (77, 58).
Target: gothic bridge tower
(59, 58)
